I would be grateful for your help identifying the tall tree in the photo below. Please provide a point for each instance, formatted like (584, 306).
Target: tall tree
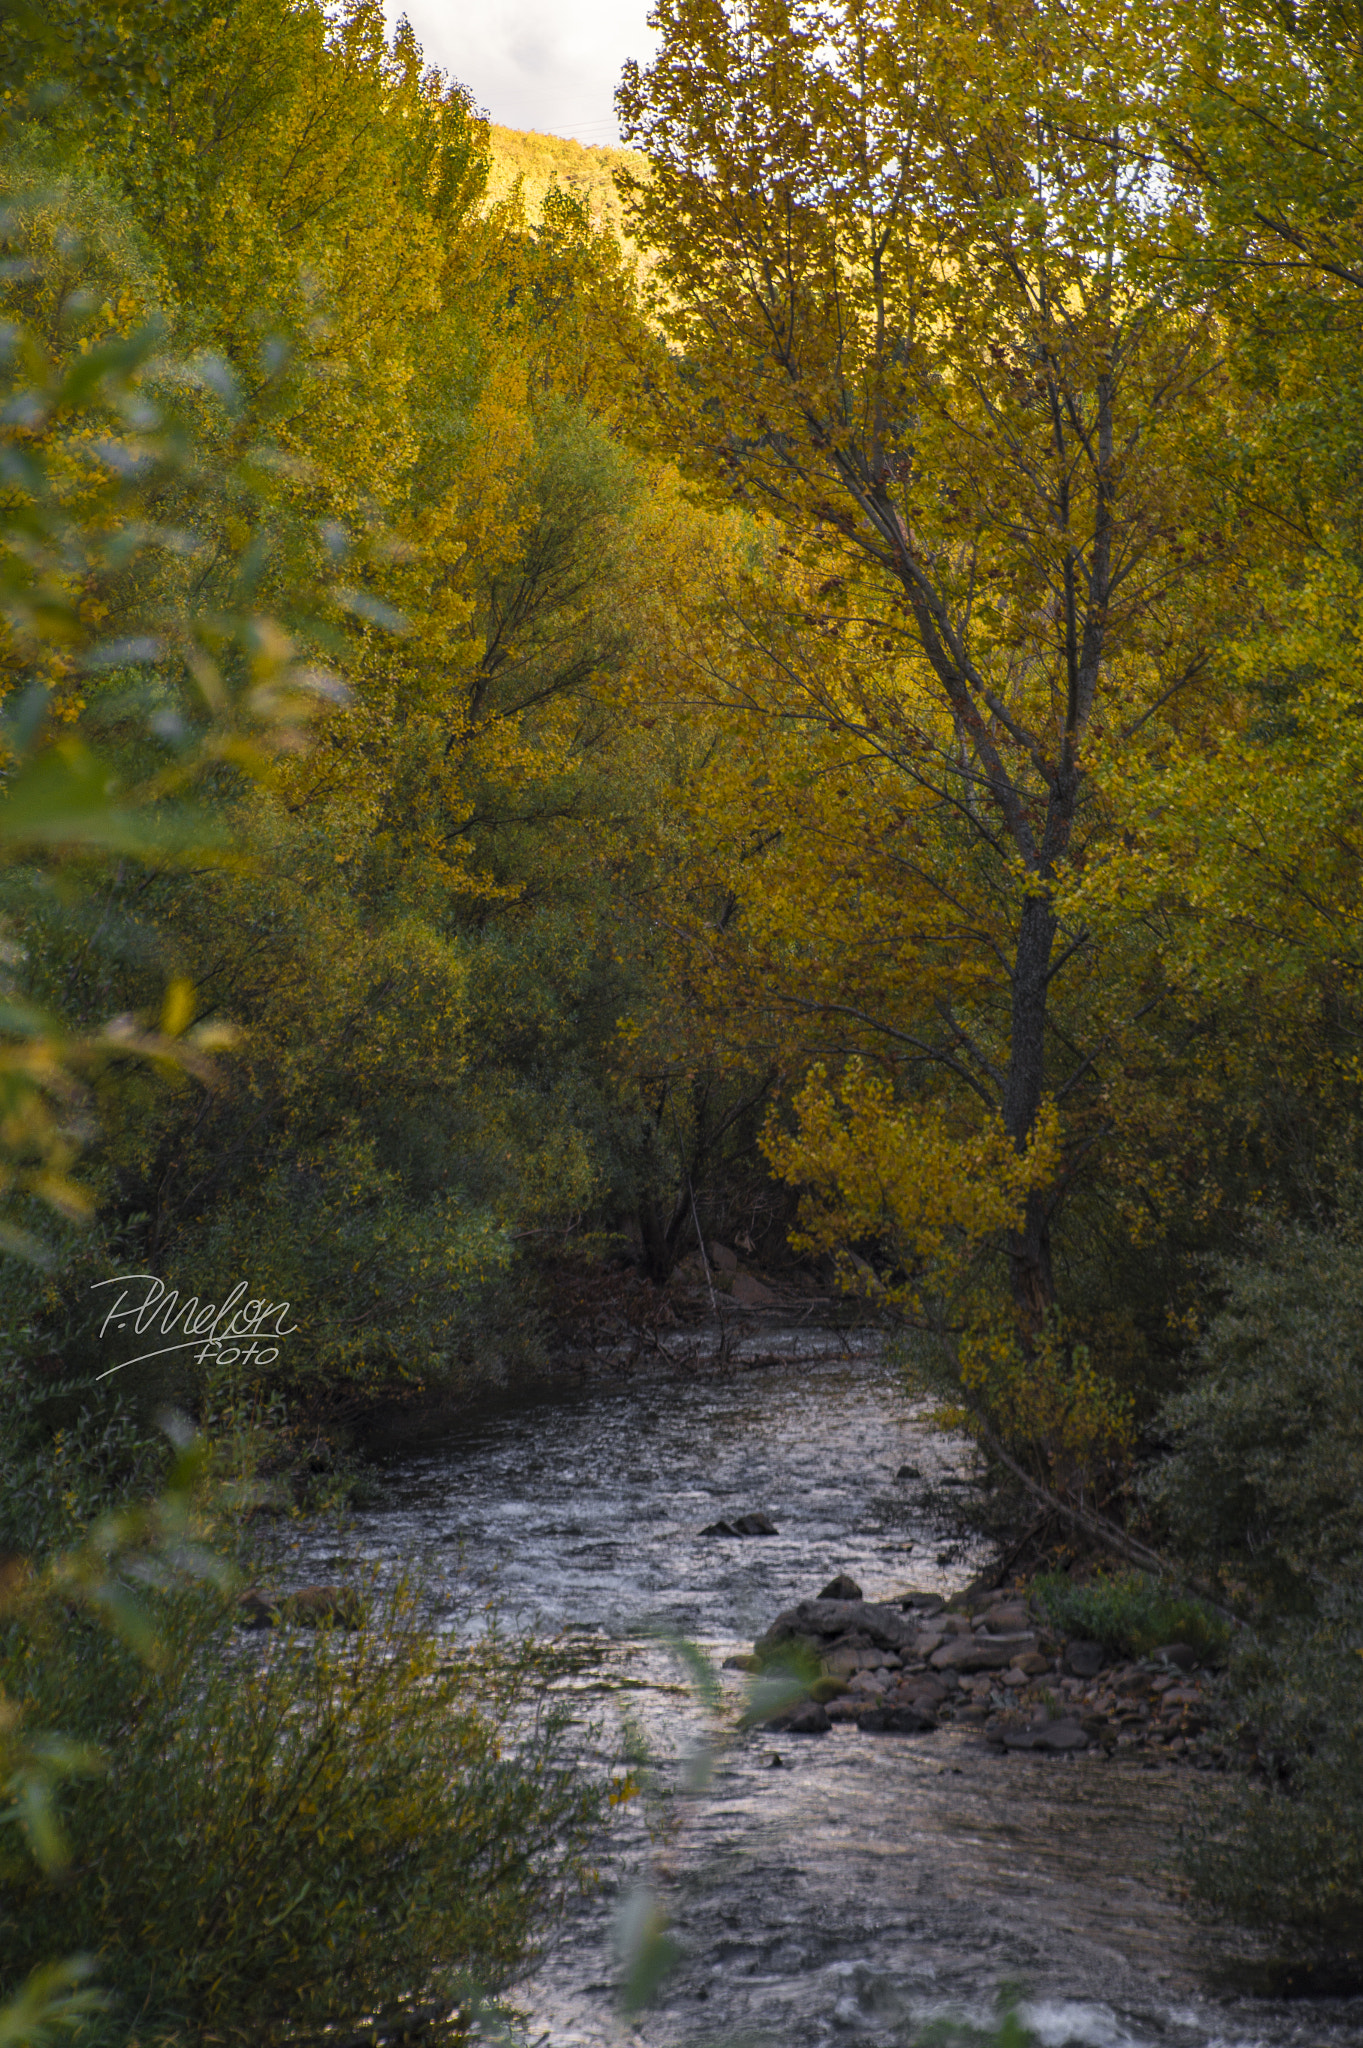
(898, 247)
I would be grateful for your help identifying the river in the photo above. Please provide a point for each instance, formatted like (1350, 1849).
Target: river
(862, 1886)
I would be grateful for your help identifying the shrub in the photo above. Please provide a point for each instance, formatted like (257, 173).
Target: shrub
(1284, 1849)
(1265, 1477)
(1264, 1484)
(286, 1830)
(1130, 1614)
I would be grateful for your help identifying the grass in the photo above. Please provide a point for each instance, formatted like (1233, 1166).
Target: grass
(1130, 1614)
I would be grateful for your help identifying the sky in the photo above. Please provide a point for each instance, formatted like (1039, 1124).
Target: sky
(547, 64)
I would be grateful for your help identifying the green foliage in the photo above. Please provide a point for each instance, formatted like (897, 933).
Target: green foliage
(1130, 1614)
(286, 1831)
(1264, 1477)
(1284, 1848)
(66, 1459)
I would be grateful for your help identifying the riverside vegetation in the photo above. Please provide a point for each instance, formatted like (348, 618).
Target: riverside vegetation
(827, 710)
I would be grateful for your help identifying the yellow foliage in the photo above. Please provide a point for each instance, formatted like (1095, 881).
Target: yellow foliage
(915, 1177)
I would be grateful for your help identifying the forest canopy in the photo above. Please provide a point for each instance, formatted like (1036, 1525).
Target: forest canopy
(852, 706)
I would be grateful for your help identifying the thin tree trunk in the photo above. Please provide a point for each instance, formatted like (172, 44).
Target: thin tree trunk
(1029, 1248)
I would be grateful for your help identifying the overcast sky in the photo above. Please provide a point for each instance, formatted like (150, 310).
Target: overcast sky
(547, 64)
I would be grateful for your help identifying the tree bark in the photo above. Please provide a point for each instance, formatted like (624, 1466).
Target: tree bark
(1029, 1248)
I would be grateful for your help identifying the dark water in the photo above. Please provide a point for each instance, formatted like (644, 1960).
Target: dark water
(865, 1885)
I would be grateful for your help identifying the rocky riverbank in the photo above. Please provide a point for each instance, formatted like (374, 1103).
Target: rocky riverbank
(985, 1660)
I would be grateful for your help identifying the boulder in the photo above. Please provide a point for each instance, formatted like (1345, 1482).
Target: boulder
(1009, 1620)
(741, 1662)
(1182, 1655)
(897, 1717)
(868, 1685)
(324, 1607)
(256, 1610)
(1084, 1660)
(750, 1293)
(841, 1588)
(1054, 1736)
(723, 1259)
(921, 1603)
(981, 1653)
(816, 1622)
(310, 1607)
(743, 1525)
(809, 1718)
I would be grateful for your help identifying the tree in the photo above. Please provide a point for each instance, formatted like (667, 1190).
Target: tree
(898, 263)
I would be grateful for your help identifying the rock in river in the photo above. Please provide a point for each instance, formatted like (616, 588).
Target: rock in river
(743, 1525)
(815, 1622)
(842, 1588)
(1055, 1736)
(310, 1607)
(982, 1652)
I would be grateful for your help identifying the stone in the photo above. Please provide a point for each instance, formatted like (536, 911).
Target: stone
(254, 1610)
(898, 1718)
(1056, 1737)
(1182, 1655)
(1006, 1621)
(841, 1588)
(908, 1472)
(755, 1525)
(321, 1606)
(1084, 1660)
(719, 1529)
(925, 1604)
(981, 1653)
(722, 1259)
(867, 1684)
(845, 1709)
(927, 1693)
(1034, 1663)
(816, 1621)
(309, 1607)
(750, 1293)
(742, 1661)
(808, 1719)
(1014, 1677)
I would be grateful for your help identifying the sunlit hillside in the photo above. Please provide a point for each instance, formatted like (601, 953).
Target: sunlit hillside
(542, 161)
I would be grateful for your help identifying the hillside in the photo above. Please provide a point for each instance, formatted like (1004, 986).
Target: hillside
(541, 161)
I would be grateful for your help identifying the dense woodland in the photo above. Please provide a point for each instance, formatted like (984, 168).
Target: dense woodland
(801, 677)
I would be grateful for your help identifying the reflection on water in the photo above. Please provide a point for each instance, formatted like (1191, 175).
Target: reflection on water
(868, 1883)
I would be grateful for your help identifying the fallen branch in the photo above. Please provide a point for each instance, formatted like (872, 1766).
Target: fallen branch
(1096, 1526)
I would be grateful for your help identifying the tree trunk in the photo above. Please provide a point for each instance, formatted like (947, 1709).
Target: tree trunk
(1029, 1248)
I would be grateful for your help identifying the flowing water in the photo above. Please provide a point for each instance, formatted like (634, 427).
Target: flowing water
(848, 1888)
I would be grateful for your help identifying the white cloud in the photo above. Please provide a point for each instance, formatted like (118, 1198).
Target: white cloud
(534, 63)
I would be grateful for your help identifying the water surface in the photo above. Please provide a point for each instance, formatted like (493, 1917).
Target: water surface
(861, 1886)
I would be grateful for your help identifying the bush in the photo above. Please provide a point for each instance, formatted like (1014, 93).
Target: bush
(286, 1830)
(1284, 1849)
(1264, 1485)
(1130, 1614)
(1264, 1481)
